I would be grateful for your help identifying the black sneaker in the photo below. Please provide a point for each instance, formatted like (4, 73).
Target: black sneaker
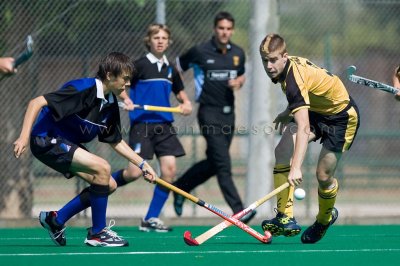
(316, 232)
(178, 203)
(105, 238)
(281, 225)
(247, 218)
(154, 224)
(56, 232)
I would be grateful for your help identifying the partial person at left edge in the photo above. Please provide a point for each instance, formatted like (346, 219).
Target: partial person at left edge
(7, 65)
(396, 81)
(66, 119)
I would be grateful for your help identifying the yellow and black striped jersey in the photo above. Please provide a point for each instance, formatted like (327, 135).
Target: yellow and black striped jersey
(308, 86)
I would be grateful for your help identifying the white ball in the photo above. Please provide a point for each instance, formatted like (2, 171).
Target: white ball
(299, 194)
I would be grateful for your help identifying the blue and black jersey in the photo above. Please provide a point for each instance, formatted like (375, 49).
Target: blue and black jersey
(212, 70)
(79, 112)
(152, 86)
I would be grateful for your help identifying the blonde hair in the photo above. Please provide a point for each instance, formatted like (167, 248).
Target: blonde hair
(271, 43)
(154, 29)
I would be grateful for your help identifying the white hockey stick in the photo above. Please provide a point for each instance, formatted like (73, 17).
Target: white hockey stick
(368, 82)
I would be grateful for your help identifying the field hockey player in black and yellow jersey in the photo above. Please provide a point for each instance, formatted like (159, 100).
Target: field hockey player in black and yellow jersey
(319, 108)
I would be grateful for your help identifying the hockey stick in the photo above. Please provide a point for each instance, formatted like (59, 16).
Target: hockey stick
(187, 237)
(262, 238)
(176, 109)
(24, 56)
(368, 82)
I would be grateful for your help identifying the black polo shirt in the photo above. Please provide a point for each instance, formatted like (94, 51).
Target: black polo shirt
(79, 112)
(212, 69)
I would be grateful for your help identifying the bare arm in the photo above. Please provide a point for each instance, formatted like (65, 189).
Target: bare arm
(303, 131)
(124, 150)
(186, 105)
(129, 105)
(237, 83)
(32, 112)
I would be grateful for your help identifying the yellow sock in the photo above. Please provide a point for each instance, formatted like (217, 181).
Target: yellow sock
(284, 198)
(326, 200)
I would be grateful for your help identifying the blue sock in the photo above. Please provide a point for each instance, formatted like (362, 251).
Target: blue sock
(76, 205)
(118, 177)
(160, 196)
(98, 201)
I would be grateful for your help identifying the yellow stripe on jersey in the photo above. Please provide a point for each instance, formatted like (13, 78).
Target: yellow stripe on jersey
(308, 86)
(351, 128)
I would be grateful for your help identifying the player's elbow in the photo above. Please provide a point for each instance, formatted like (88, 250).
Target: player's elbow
(38, 102)
(304, 127)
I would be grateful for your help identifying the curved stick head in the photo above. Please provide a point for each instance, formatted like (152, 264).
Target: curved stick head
(29, 43)
(187, 237)
(268, 237)
(350, 71)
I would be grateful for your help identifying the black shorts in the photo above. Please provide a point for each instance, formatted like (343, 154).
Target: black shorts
(55, 152)
(337, 132)
(160, 139)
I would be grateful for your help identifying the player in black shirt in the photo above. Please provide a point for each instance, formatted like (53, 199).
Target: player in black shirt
(81, 110)
(218, 67)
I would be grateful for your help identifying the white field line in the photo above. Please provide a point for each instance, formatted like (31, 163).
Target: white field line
(202, 252)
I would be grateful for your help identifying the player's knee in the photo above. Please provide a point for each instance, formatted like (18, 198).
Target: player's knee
(325, 178)
(112, 185)
(323, 175)
(132, 173)
(102, 173)
(168, 173)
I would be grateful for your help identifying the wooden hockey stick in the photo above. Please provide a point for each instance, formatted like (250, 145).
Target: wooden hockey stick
(153, 108)
(225, 224)
(262, 238)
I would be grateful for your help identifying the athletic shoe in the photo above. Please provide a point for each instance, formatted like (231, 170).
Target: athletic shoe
(56, 231)
(154, 224)
(105, 238)
(247, 218)
(316, 232)
(178, 203)
(281, 225)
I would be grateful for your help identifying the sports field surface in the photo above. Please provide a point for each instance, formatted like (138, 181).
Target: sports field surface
(343, 245)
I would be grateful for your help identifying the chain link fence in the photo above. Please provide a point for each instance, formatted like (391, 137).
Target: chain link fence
(70, 36)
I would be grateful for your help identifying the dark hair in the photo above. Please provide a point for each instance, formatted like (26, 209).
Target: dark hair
(115, 63)
(224, 15)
